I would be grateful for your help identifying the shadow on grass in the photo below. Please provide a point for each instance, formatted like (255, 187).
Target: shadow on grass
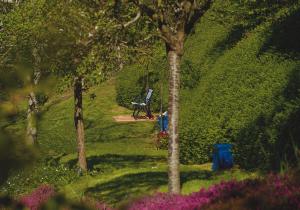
(113, 131)
(130, 186)
(114, 161)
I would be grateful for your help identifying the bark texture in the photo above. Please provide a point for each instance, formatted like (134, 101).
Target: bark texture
(31, 119)
(33, 109)
(78, 120)
(173, 113)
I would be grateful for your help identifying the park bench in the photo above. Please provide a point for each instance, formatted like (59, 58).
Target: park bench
(143, 106)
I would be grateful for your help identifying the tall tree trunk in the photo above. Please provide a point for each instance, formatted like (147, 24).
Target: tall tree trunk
(33, 109)
(31, 119)
(78, 120)
(119, 56)
(173, 109)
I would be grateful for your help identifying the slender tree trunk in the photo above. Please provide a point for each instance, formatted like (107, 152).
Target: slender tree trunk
(119, 56)
(31, 119)
(33, 109)
(78, 120)
(174, 86)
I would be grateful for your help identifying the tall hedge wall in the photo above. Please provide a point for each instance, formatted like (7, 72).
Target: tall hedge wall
(239, 85)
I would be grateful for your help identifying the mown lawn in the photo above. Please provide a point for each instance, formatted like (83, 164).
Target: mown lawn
(122, 159)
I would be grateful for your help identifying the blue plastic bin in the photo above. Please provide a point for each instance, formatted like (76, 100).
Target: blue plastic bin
(163, 122)
(222, 157)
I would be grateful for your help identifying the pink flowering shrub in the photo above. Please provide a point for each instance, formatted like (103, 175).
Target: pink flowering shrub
(94, 204)
(193, 201)
(101, 206)
(39, 196)
(274, 192)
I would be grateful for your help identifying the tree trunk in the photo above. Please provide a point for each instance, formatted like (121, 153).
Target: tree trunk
(78, 120)
(173, 109)
(33, 109)
(31, 119)
(119, 56)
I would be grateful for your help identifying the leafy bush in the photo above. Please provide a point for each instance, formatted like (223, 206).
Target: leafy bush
(239, 85)
(248, 98)
(42, 98)
(161, 141)
(24, 181)
(132, 82)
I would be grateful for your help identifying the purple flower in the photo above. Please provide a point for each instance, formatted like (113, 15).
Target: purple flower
(180, 202)
(40, 195)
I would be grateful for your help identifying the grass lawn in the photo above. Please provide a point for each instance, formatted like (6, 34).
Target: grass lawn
(122, 159)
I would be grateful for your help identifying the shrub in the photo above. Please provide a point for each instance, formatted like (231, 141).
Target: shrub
(133, 80)
(60, 202)
(39, 196)
(239, 85)
(51, 172)
(45, 197)
(247, 99)
(178, 202)
(42, 98)
(273, 192)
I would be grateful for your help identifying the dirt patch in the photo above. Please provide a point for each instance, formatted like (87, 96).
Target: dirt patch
(128, 118)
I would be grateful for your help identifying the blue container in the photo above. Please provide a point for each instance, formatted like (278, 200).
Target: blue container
(163, 122)
(222, 157)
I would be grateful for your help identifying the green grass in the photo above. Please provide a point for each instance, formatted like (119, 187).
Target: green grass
(122, 159)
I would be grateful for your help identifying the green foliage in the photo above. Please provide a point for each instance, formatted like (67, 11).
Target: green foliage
(14, 154)
(238, 85)
(52, 173)
(133, 81)
(243, 95)
(122, 159)
(42, 98)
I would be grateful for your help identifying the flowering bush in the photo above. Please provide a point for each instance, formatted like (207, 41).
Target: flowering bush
(94, 204)
(39, 196)
(273, 192)
(194, 201)
(45, 197)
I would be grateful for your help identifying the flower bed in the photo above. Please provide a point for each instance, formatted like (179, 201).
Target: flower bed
(273, 192)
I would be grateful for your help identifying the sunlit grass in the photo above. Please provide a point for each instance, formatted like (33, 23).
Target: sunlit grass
(122, 159)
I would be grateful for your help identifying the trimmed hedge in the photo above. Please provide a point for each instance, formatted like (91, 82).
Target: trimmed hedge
(239, 86)
(243, 99)
(133, 80)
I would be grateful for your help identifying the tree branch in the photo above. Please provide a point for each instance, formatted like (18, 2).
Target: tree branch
(197, 13)
(138, 15)
(144, 8)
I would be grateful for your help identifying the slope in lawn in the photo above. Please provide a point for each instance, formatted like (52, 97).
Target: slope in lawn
(122, 159)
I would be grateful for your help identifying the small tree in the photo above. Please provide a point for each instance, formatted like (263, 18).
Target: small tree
(70, 41)
(21, 49)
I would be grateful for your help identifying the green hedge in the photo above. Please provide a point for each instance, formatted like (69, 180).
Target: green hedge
(132, 85)
(244, 99)
(132, 81)
(239, 86)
